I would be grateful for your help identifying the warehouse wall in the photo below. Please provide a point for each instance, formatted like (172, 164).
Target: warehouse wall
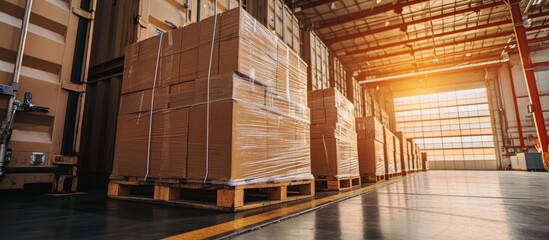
(542, 78)
(449, 82)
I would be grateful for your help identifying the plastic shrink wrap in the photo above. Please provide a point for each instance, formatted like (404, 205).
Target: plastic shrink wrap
(371, 151)
(245, 122)
(333, 135)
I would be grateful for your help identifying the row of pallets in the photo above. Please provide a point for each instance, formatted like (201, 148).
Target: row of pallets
(228, 198)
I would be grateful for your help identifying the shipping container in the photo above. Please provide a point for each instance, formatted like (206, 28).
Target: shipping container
(358, 99)
(44, 145)
(338, 75)
(279, 19)
(316, 54)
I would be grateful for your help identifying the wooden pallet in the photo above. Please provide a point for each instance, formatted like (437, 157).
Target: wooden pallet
(391, 175)
(213, 197)
(370, 178)
(329, 183)
(406, 172)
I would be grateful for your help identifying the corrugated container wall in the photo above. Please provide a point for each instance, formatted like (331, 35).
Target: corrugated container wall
(338, 75)
(123, 23)
(358, 99)
(279, 19)
(54, 69)
(316, 54)
(126, 22)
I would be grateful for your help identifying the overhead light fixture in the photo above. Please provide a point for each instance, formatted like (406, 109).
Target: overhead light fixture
(504, 56)
(333, 5)
(379, 1)
(467, 54)
(512, 46)
(435, 60)
(387, 23)
(527, 22)
(297, 9)
(536, 2)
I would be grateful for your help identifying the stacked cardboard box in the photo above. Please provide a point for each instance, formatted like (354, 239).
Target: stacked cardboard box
(404, 157)
(397, 156)
(390, 167)
(410, 156)
(371, 153)
(414, 155)
(241, 123)
(424, 162)
(333, 135)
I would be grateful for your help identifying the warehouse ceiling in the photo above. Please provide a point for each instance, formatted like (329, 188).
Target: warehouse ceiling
(377, 38)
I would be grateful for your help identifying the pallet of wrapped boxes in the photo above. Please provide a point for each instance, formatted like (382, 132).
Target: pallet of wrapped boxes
(209, 133)
(397, 156)
(404, 157)
(371, 153)
(334, 152)
(424, 162)
(410, 155)
(390, 166)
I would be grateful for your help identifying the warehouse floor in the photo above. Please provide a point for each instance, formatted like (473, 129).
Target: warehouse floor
(436, 204)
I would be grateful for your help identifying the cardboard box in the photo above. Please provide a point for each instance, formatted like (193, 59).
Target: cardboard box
(171, 42)
(371, 156)
(139, 76)
(237, 147)
(229, 86)
(141, 101)
(207, 28)
(333, 108)
(369, 128)
(248, 48)
(283, 70)
(188, 68)
(191, 37)
(169, 69)
(181, 95)
(168, 144)
(334, 157)
(204, 55)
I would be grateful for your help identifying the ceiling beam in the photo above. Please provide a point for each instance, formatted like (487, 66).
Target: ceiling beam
(331, 41)
(533, 41)
(315, 4)
(365, 14)
(446, 67)
(396, 44)
(442, 56)
(412, 51)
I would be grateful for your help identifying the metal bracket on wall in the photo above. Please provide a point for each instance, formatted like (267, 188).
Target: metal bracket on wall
(83, 13)
(139, 20)
(75, 87)
(64, 160)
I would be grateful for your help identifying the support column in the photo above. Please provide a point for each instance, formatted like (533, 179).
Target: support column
(529, 76)
(515, 104)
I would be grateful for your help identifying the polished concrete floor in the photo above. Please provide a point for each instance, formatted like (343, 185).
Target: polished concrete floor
(432, 205)
(436, 205)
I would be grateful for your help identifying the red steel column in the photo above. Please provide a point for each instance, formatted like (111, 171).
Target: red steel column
(528, 68)
(517, 114)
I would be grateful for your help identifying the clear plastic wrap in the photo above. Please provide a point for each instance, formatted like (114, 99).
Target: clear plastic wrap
(398, 160)
(333, 136)
(404, 158)
(256, 132)
(389, 152)
(371, 150)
